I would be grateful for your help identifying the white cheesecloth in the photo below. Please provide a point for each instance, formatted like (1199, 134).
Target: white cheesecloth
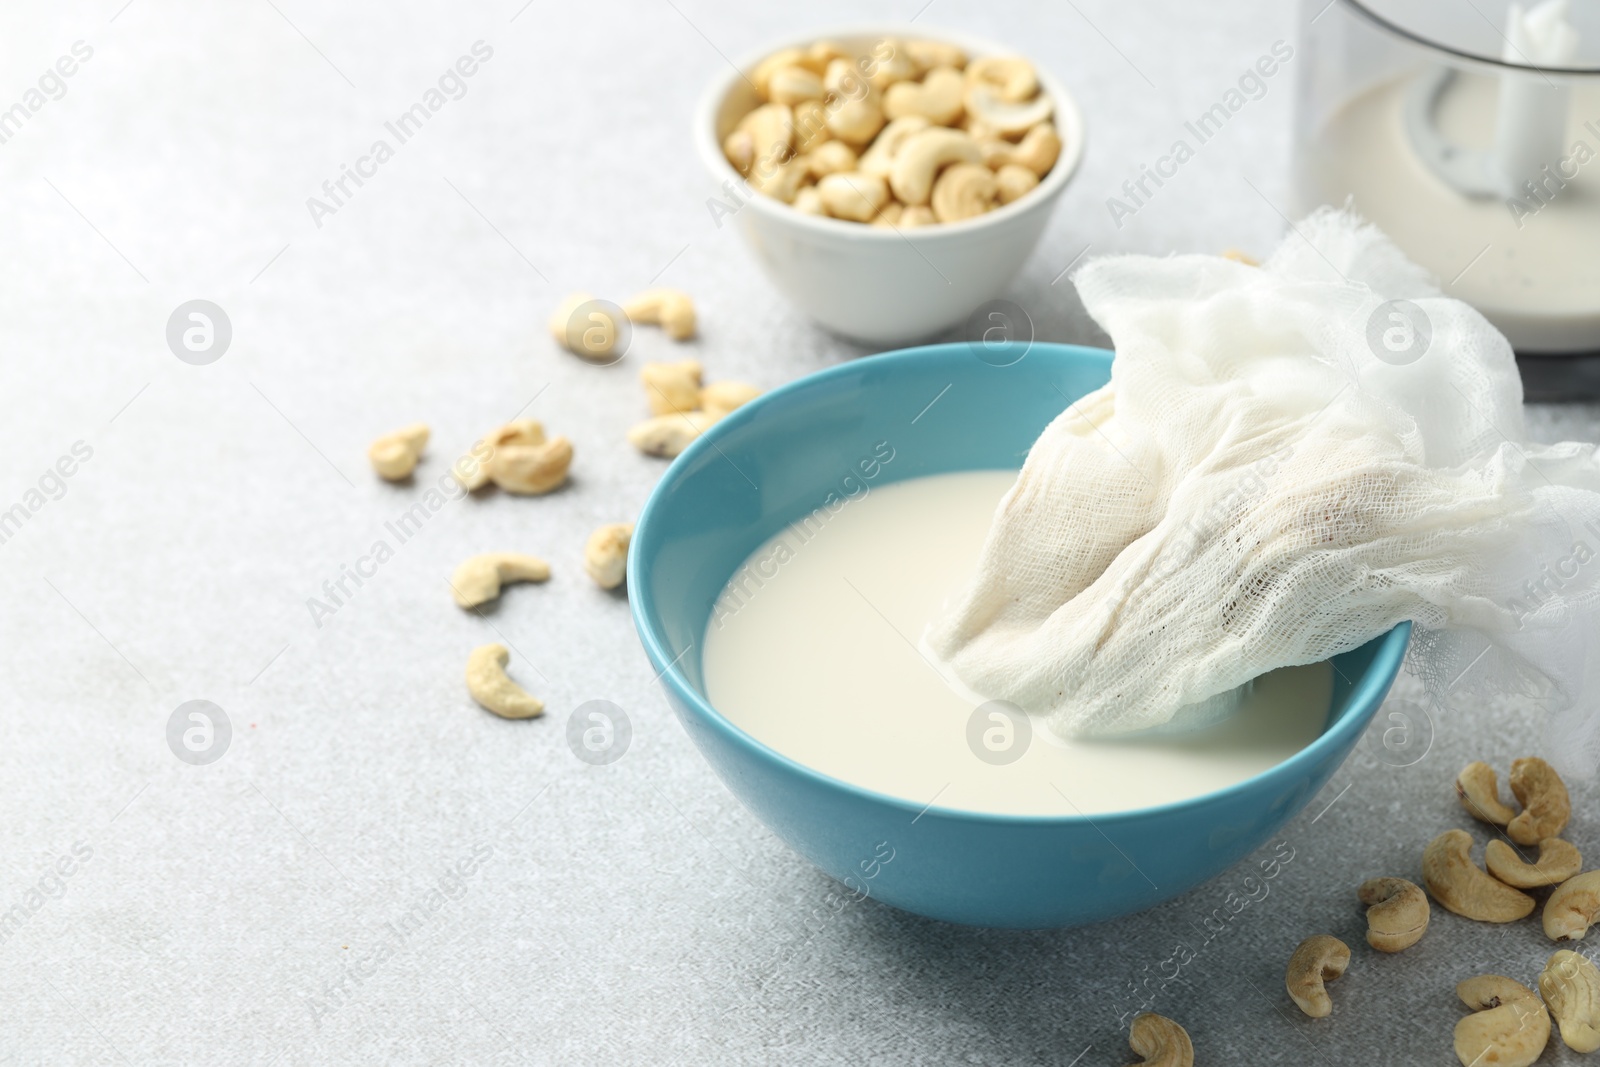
(1286, 464)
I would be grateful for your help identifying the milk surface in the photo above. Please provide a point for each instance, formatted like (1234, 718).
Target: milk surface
(814, 649)
(1528, 265)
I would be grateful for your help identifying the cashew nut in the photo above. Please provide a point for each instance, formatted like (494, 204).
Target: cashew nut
(853, 196)
(1479, 792)
(929, 54)
(761, 77)
(986, 105)
(719, 398)
(809, 202)
(1558, 861)
(1010, 77)
(531, 469)
(1571, 908)
(857, 113)
(888, 215)
(916, 215)
(477, 579)
(605, 555)
(394, 455)
(1509, 1026)
(923, 155)
(936, 98)
(830, 157)
(820, 53)
(791, 85)
(1545, 804)
(671, 308)
(1463, 887)
(771, 130)
(1319, 958)
(672, 387)
(1162, 1042)
(490, 686)
(472, 470)
(879, 157)
(1570, 985)
(1038, 150)
(593, 337)
(1397, 913)
(965, 191)
(784, 181)
(810, 126)
(1012, 180)
(896, 67)
(668, 435)
(740, 148)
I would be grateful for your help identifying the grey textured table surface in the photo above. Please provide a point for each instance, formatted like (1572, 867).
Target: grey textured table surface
(626, 913)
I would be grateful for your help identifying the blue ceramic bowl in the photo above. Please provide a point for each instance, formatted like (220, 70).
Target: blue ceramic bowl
(942, 408)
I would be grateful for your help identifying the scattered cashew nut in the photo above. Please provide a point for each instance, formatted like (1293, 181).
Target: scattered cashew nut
(394, 455)
(533, 468)
(719, 398)
(1509, 1026)
(1479, 792)
(605, 556)
(1545, 804)
(592, 337)
(490, 686)
(670, 308)
(1558, 861)
(1570, 985)
(477, 579)
(1318, 959)
(671, 387)
(1162, 1042)
(1465, 888)
(1571, 908)
(668, 435)
(1397, 913)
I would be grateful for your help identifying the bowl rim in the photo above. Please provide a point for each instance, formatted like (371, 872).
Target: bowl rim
(1369, 689)
(1068, 117)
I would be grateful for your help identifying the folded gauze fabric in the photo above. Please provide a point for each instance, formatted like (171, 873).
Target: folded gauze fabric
(1288, 461)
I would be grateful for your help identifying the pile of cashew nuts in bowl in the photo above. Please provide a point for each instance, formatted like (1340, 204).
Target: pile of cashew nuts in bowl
(908, 133)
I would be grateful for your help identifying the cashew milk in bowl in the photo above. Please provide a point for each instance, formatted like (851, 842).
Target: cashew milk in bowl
(813, 648)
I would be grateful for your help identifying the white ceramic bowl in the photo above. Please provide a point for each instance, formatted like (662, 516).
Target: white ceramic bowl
(876, 284)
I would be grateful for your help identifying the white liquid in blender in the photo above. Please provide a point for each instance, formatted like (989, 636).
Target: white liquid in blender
(813, 650)
(1534, 273)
